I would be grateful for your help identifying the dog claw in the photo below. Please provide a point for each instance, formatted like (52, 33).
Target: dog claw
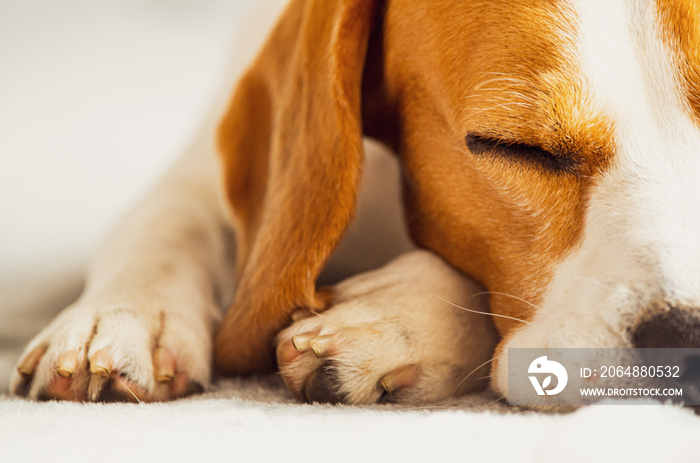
(95, 387)
(67, 363)
(31, 361)
(402, 378)
(101, 363)
(302, 341)
(164, 363)
(322, 346)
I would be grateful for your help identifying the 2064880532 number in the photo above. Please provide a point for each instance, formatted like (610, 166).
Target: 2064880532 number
(644, 371)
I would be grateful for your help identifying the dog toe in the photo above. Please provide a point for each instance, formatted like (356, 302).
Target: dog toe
(60, 388)
(117, 354)
(327, 360)
(67, 363)
(401, 378)
(26, 368)
(398, 345)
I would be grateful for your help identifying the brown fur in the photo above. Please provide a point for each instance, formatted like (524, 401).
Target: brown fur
(436, 72)
(681, 22)
(291, 148)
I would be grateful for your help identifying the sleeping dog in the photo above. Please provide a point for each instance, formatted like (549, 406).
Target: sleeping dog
(547, 149)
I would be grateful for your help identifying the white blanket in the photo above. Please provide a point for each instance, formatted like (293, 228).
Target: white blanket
(256, 420)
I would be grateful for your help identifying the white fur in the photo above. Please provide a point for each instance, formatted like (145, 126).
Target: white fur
(166, 270)
(397, 316)
(158, 280)
(640, 242)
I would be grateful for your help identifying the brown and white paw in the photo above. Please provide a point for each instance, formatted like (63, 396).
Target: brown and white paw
(116, 352)
(391, 337)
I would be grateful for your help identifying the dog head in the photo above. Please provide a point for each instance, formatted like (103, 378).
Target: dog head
(549, 149)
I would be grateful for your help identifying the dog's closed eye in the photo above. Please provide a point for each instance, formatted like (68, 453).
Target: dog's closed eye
(481, 145)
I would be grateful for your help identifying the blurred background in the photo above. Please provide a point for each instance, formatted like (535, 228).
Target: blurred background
(97, 99)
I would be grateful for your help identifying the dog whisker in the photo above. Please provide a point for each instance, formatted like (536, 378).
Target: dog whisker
(512, 297)
(506, 76)
(472, 372)
(478, 311)
(526, 100)
(481, 110)
(592, 280)
(130, 391)
(509, 106)
(519, 95)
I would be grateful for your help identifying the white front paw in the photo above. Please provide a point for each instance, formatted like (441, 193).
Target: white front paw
(391, 337)
(140, 350)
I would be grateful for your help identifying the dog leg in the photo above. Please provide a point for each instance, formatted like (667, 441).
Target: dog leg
(143, 327)
(392, 336)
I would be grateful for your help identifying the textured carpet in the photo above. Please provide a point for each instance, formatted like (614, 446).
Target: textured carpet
(256, 420)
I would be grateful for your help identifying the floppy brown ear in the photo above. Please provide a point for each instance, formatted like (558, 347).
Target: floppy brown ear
(291, 151)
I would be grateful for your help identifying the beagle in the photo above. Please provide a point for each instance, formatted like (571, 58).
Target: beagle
(548, 149)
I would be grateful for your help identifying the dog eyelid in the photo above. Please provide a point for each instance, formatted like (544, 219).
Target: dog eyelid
(482, 145)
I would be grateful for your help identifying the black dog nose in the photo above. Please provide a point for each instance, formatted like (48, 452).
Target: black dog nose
(675, 328)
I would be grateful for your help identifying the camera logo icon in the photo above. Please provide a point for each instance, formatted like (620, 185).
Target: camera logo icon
(541, 365)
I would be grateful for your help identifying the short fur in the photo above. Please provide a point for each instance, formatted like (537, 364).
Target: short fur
(549, 150)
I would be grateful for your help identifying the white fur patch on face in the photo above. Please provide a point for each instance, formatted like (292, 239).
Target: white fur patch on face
(641, 242)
